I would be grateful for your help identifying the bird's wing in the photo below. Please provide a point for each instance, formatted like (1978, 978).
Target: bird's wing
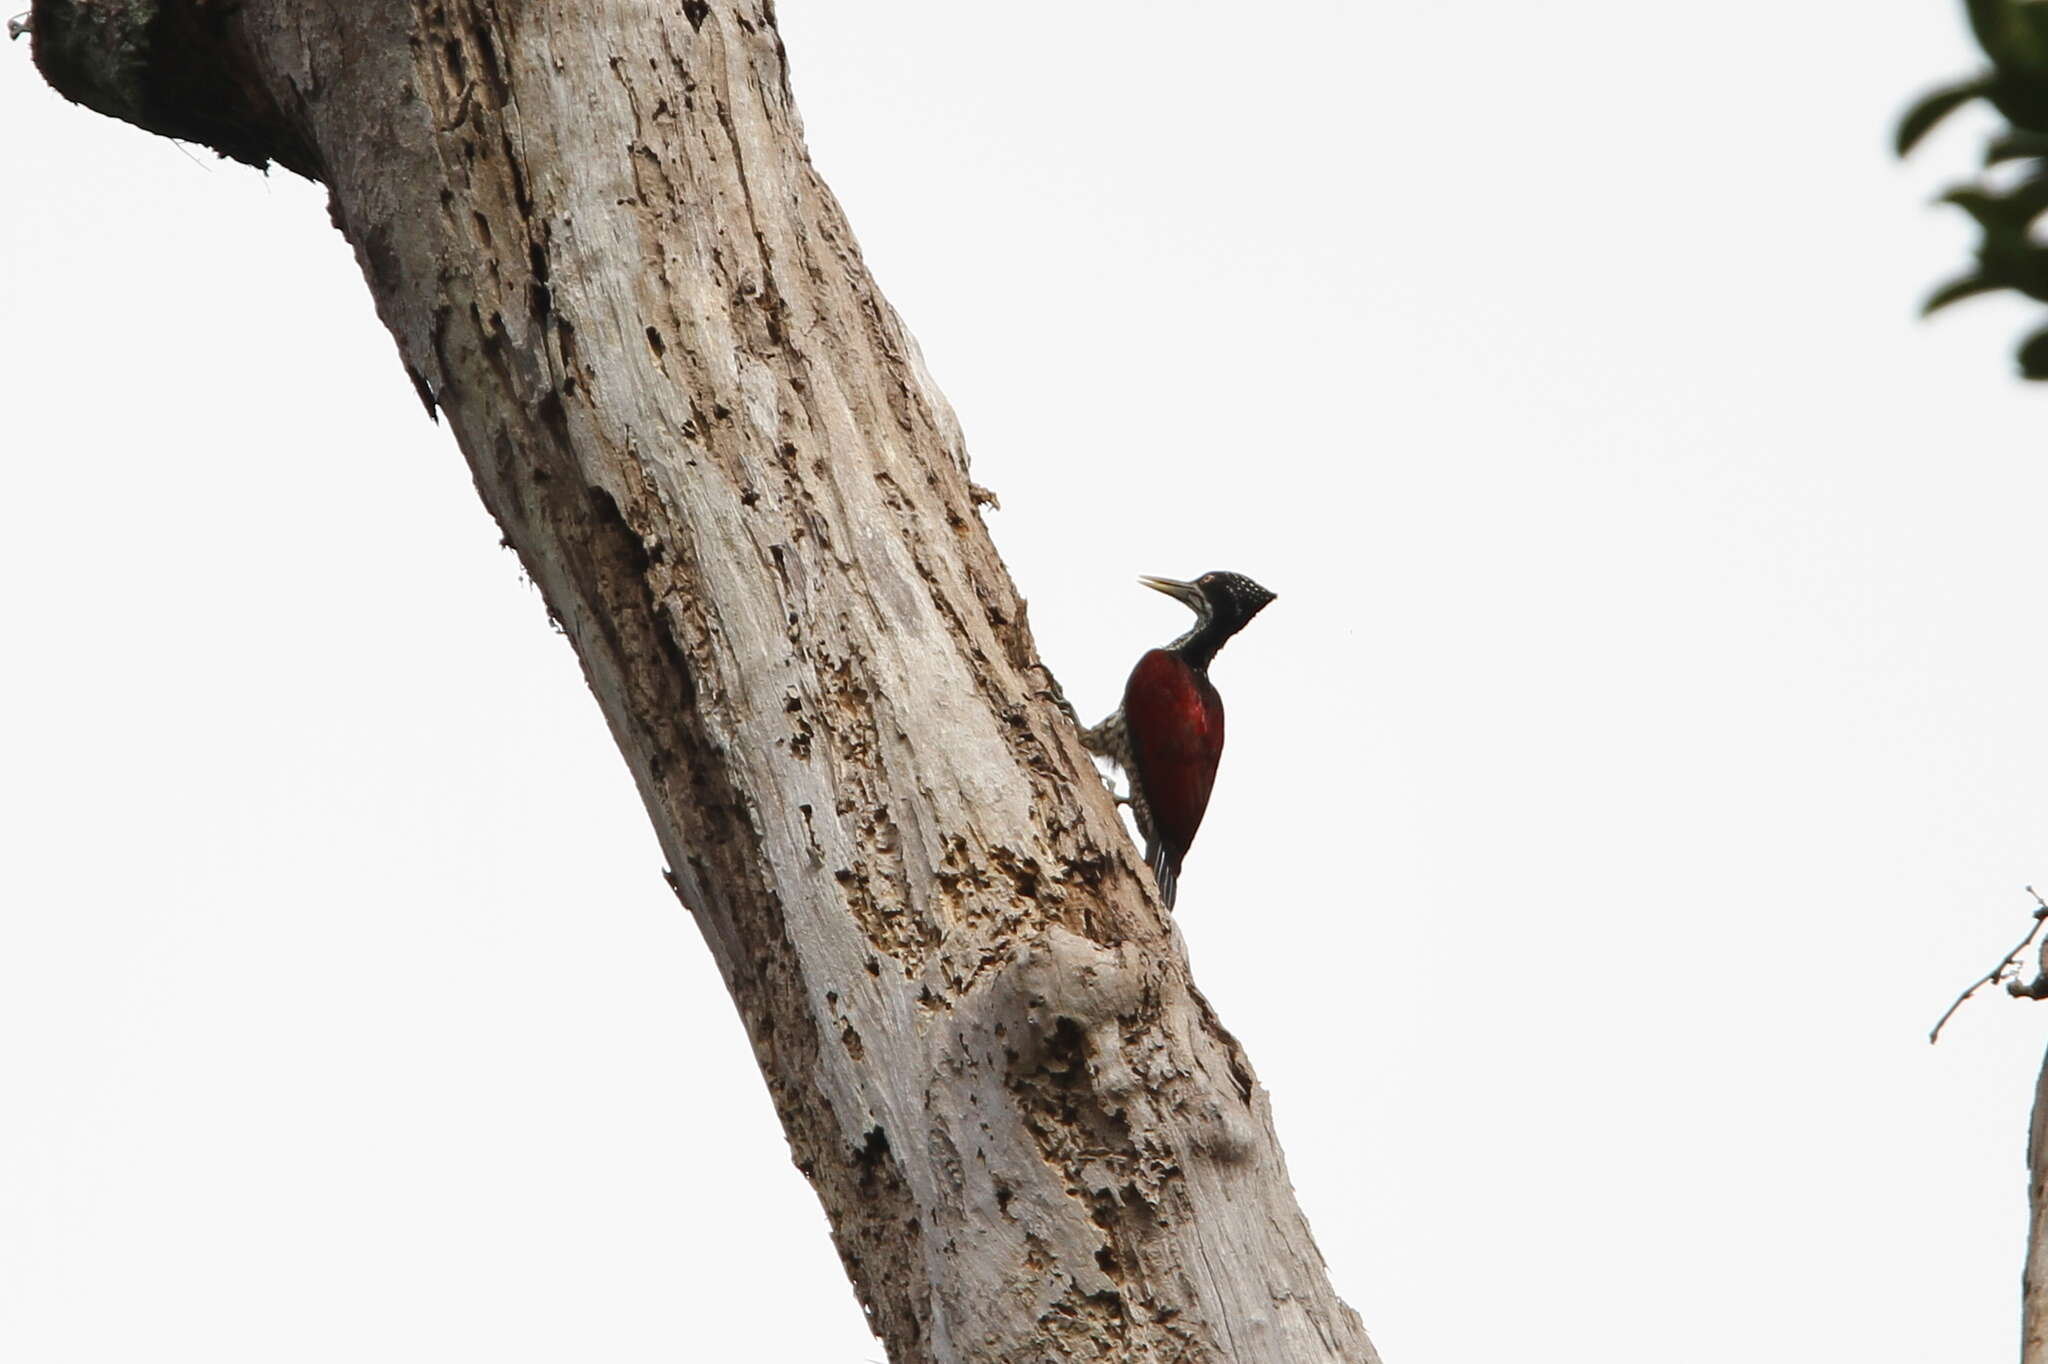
(1174, 722)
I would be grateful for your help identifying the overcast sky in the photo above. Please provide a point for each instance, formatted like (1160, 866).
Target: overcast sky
(1647, 743)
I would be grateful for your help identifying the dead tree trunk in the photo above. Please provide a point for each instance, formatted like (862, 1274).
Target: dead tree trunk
(2034, 1283)
(593, 230)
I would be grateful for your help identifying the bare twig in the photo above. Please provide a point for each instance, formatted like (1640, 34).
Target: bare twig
(2035, 989)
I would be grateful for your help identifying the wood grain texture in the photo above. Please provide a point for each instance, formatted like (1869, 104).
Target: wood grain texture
(594, 232)
(2034, 1288)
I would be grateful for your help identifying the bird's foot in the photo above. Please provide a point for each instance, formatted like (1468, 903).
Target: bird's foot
(1051, 692)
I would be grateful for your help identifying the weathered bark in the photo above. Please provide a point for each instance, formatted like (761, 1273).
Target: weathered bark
(2034, 1287)
(593, 230)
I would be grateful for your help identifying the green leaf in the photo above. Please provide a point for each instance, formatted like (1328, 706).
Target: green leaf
(1987, 208)
(2005, 218)
(1956, 290)
(2034, 356)
(2026, 200)
(2014, 33)
(2015, 146)
(1933, 107)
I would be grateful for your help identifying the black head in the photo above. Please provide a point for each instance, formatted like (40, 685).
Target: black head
(1223, 603)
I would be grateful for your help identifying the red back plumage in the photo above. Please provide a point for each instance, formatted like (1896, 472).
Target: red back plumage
(1175, 723)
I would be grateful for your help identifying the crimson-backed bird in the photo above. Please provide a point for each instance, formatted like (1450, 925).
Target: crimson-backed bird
(1167, 736)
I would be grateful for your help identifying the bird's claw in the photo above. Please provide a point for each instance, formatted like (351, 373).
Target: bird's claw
(1051, 692)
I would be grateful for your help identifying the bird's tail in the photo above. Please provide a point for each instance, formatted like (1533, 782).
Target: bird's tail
(1165, 869)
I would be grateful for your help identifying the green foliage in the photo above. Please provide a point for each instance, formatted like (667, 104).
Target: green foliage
(1956, 290)
(1935, 106)
(2013, 252)
(2013, 147)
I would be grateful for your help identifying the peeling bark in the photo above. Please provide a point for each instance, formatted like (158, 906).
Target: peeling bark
(594, 233)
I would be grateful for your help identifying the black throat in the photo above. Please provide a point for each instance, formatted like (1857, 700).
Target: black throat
(1200, 645)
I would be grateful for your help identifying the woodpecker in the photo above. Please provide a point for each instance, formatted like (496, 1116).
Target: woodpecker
(1167, 736)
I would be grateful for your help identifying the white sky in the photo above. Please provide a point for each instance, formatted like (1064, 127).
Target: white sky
(1647, 743)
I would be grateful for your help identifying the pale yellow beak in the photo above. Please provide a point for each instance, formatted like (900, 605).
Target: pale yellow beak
(1187, 594)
